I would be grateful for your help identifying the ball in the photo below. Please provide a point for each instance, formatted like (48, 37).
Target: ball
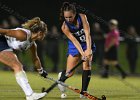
(63, 95)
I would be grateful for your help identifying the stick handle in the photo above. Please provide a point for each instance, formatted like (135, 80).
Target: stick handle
(51, 87)
(67, 74)
(89, 96)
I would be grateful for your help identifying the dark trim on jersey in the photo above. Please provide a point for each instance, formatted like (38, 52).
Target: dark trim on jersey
(3, 43)
(72, 27)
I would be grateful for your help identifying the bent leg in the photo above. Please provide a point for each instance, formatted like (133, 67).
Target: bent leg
(10, 59)
(71, 62)
(86, 76)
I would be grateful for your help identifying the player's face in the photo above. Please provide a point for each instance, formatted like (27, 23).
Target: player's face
(112, 27)
(69, 16)
(40, 36)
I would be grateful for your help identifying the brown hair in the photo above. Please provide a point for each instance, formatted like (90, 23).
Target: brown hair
(35, 25)
(67, 7)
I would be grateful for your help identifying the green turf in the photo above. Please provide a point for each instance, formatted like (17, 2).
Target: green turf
(113, 88)
(25, 59)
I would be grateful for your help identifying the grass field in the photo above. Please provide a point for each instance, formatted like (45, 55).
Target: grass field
(113, 88)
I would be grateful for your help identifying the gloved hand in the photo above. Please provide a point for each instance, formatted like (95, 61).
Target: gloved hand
(42, 72)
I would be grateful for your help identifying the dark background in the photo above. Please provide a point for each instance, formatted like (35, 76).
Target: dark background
(125, 11)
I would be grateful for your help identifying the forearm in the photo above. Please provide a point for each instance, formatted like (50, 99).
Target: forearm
(39, 68)
(35, 57)
(78, 46)
(88, 42)
(86, 28)
(37, 63)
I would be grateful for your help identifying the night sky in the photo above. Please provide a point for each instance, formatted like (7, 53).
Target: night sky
(125, 11)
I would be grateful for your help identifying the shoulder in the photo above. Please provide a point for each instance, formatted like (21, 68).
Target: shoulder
(83, 18)
(64, 26)
(33, 46)
(82, 15)
(23, 29)
(26, 31)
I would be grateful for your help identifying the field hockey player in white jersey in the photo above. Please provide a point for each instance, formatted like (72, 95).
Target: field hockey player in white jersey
(22, 39)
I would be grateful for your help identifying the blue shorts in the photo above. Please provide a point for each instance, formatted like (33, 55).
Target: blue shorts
(72, 50)
(3, 43)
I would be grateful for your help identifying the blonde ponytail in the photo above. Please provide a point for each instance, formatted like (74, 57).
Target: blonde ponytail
(35, 25)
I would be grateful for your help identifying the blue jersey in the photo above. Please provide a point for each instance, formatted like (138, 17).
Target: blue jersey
(79, 34)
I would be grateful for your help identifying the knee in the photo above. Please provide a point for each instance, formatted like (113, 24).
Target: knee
(87, 68)
(17, 67)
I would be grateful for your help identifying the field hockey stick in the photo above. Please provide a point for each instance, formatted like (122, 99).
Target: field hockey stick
(67, 74)
(89, 96)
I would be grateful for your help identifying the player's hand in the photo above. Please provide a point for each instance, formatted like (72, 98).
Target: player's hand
(42, 72)
(84, 58)
(88, 54)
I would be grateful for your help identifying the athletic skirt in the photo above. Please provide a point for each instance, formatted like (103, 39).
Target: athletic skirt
(112, 54)
(72, 50)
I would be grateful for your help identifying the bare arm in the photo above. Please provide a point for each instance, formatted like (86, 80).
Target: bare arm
(87, 32)
(35, 57)
(37, 62)
(18, 34)
(66, 31)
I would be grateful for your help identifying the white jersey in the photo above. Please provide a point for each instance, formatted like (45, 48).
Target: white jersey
(20, 45)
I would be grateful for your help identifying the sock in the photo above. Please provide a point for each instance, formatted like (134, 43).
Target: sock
(63, 77)
(120, 69)
(22, 80)
(85, 79)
